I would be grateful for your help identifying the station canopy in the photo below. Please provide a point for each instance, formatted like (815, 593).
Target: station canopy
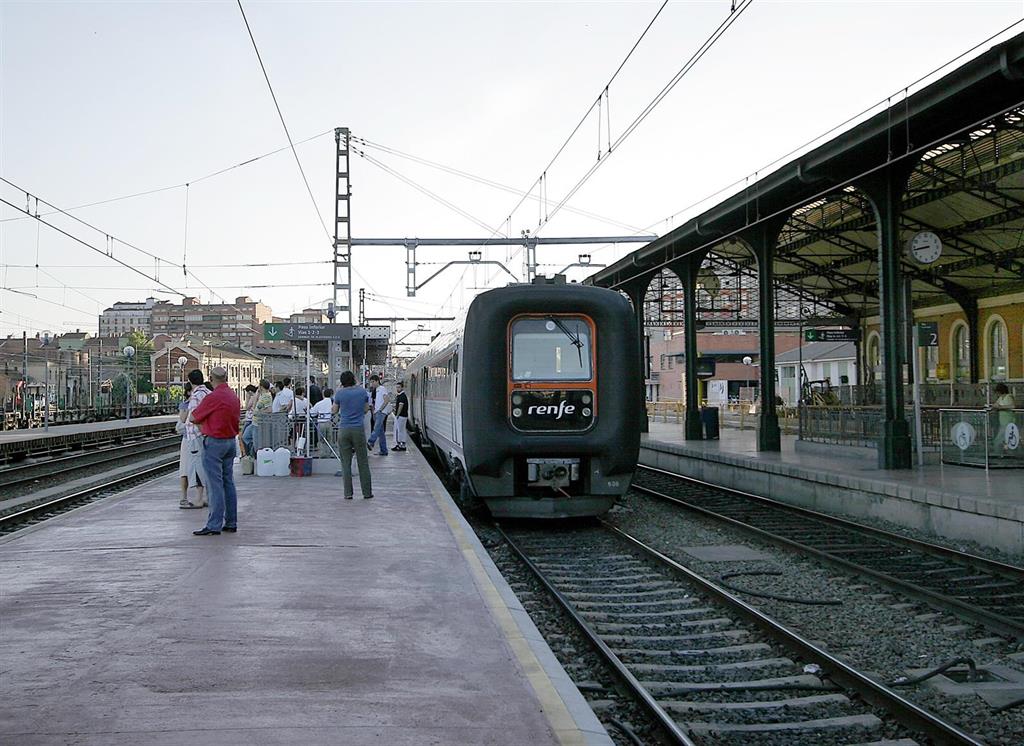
(959, 145)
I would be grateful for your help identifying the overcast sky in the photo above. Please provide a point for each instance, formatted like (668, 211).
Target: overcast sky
(101, 100)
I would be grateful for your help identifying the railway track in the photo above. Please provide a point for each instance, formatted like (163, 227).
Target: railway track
(13, 477)
(974, 588)
(709, 668)
(34, 513)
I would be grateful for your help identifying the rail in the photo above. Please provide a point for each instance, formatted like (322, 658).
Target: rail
(653, 692)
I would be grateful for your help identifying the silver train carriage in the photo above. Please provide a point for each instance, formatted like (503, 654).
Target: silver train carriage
(532, 399)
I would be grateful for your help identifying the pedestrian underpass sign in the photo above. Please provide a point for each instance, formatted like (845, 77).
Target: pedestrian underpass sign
(830, 335)
(306, 332)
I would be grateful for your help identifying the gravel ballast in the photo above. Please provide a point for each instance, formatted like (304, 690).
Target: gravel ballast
(872, 628)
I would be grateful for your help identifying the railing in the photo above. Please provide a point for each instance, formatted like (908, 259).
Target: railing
(740, 415)
(950, 395)
(982, 437)
(20, 421)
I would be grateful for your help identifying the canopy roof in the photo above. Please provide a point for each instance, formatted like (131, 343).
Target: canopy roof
(960, 139)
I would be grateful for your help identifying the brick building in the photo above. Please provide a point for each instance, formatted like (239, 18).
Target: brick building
(238, 323)
(166, 368)
(129, 316)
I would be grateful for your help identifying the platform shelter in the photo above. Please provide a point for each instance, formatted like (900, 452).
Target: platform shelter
(905, 231)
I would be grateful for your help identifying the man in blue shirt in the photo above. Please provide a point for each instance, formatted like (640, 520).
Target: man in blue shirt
(350, 404)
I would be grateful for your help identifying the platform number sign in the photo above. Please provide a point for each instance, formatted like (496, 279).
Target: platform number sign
(928, 334)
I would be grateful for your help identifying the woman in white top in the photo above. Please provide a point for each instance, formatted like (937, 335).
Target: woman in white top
(300, 405)
(320, 413)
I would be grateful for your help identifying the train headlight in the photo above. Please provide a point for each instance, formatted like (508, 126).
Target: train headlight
(585, 399)
(586, 411)
(517, 412)
(517, 399)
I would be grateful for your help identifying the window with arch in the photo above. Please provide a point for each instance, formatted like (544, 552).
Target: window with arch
(874, 354)
(961, 356)
(997, 357)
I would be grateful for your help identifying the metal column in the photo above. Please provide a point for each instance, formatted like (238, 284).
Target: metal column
(338, 359)
(636, 293)
(687, 272)
(769, 438)
(894, 447)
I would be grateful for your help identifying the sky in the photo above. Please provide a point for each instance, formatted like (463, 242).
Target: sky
(103, 100)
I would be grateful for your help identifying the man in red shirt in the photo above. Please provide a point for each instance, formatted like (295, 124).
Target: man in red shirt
(217, 416)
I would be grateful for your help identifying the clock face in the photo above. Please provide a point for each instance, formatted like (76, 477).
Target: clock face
(925, 247)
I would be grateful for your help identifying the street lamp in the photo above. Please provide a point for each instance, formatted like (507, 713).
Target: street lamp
(182, 360)
(129, 353)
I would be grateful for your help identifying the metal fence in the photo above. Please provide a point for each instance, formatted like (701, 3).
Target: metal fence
(987, 438)
(950, 395)
(280, 430)
(18, 420)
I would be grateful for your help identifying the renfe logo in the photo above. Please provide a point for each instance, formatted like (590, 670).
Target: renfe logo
(558, 411)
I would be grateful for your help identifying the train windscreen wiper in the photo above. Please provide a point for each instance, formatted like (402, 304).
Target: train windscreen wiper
(574, 338)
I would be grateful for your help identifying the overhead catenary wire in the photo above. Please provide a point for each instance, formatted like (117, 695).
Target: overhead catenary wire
(696, 57)
(182, 185)
(817, 138)
(284, 124)
(485, 181)
(85, 243)
(590, 109)
(734, 14)
(423, 190)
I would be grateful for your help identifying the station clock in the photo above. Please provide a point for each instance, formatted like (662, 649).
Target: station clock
(924, 247)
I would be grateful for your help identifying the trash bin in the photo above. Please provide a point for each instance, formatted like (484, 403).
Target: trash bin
(709, 419)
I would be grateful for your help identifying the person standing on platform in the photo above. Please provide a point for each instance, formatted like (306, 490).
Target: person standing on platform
(401, 416)
(264, 404)
(300, 405)
(188, 469)
(284, 397)
(1004, 405)
(350, 405)
(251, 392)
(315, 394)
(320, 416)
(217, 416)
(381, 409)
(194, 440)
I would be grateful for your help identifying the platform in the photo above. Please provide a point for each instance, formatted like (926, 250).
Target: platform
(322, 621)
(955, 502)
(34, 440)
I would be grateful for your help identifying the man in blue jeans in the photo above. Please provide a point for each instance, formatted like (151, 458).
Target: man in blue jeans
(350, 404)
(381, 410)
(217, 417)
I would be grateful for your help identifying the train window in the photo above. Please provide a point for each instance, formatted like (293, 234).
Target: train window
(552, 348)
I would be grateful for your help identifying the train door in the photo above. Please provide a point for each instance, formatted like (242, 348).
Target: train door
(456, 399)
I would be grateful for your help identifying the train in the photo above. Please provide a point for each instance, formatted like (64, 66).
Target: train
(532, 399)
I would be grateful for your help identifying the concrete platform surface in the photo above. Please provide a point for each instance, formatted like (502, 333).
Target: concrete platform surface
(59, 431)
(322, 621)
(952, 501)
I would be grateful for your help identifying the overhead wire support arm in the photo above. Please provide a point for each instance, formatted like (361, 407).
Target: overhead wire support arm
(467, 261)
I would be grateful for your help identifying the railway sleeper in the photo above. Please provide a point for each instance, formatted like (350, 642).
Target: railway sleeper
(744, 666)
(676, 706)
(811, 683)
(603, 627)
(605, 615)
(843, 722)
(723, 651)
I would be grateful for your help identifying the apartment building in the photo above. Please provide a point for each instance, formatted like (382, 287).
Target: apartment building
(239, 323)
(129, 316)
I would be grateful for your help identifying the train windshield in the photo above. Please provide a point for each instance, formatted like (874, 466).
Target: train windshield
(552, 348)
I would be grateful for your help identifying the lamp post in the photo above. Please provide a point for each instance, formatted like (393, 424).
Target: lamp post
(129, 353)
(182, 360)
